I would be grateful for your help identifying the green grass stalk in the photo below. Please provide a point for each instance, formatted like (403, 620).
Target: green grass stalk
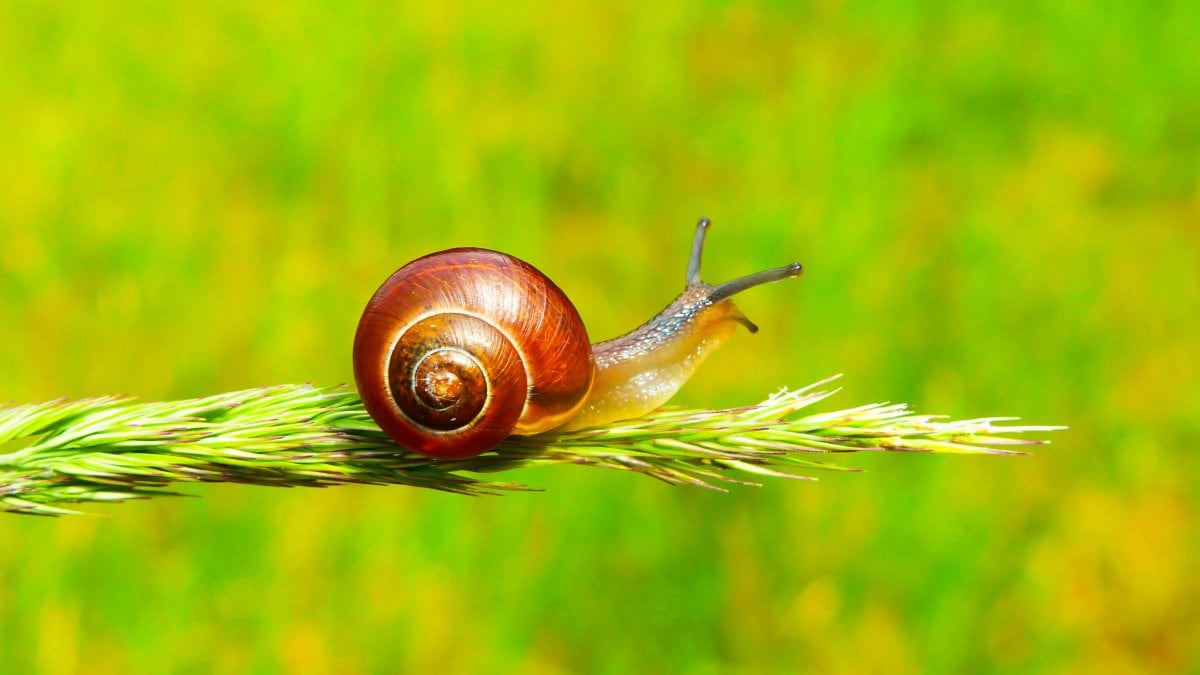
(112, 449)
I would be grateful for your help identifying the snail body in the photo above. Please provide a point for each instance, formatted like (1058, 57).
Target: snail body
(459, 349)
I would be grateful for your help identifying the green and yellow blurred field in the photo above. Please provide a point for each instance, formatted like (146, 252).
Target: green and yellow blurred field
(998, 205)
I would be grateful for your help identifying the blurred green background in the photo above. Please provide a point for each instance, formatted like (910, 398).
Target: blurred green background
(998, 205)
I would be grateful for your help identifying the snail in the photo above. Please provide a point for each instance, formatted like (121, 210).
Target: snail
(460, 349)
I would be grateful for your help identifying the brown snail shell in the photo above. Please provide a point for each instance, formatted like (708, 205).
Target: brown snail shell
(459, 349)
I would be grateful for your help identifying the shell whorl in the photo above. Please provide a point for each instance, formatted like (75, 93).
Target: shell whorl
(461, 348)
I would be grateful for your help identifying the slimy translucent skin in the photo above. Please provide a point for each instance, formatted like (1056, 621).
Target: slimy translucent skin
(641, 370)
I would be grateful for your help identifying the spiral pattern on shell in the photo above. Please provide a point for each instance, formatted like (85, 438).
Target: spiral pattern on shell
(459, 349)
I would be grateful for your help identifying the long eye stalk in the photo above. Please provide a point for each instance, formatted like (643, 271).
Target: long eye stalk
(693, 273)
(740, 284)
(730, 288)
